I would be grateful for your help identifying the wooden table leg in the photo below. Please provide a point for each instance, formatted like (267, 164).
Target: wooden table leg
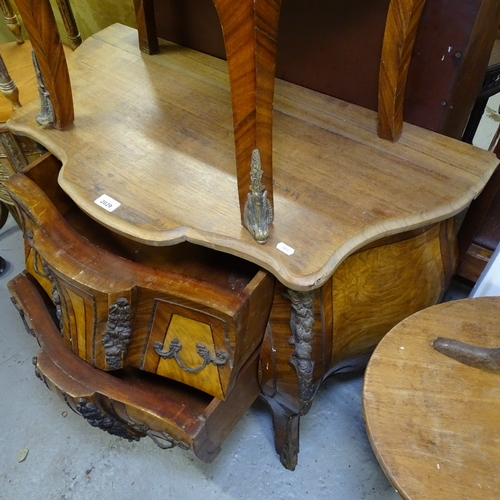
(11, 20)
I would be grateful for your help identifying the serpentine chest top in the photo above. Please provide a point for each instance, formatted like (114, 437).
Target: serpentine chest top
(164, 132)
(187, 272)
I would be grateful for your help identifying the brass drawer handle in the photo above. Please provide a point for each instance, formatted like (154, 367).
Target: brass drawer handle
(220, 358)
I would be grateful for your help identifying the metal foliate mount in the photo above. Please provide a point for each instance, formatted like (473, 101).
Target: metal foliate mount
(301, 326)
(46, 117)
(118, 332)
(258, 213)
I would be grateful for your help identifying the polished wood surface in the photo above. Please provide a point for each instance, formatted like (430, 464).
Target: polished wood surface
(433, 421)
(182, 98)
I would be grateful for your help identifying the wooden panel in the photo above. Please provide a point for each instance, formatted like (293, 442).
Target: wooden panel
(375, 289)
(189, 327)
(330, 168)
(77, 326)
(189, 333)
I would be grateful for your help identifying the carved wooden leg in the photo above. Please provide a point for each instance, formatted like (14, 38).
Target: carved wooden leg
(8, 87)
(11, 20)
(74, 37)
(294, 356)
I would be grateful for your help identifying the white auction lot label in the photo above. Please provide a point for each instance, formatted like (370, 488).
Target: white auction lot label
(285, 248)
(107, 203)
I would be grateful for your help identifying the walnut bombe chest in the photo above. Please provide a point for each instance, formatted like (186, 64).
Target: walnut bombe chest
(199, 233)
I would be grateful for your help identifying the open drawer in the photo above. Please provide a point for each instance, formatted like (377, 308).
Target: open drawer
(130, 403)
(183, 312)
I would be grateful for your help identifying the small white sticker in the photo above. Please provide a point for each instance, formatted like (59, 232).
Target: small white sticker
(285, 248)
(107, 203)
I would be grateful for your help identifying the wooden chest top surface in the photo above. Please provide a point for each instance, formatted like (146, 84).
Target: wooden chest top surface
(155, 134)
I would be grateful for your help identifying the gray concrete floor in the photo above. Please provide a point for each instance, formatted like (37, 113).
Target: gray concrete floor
(69, 460)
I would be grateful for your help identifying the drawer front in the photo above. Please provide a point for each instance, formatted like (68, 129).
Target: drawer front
(191, 346)
(116, 321)
(186, 312)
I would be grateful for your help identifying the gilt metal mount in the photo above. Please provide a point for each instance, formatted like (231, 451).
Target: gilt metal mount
(118, 331)
(301, 326)
(46, 117)
(220, 358)
(258, 213)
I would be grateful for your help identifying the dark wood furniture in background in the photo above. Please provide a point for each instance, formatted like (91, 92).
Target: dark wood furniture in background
(479, 234)
(169, 318)
(334, 48)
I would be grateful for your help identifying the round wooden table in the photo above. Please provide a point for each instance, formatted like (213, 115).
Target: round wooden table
(434, 422)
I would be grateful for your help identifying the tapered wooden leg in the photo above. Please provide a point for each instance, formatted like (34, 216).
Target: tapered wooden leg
(146, 26)
(251, 72)
(42, 29)
(400, 31)
(286, 432)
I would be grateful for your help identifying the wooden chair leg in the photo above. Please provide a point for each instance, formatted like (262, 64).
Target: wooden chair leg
(11, 20)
